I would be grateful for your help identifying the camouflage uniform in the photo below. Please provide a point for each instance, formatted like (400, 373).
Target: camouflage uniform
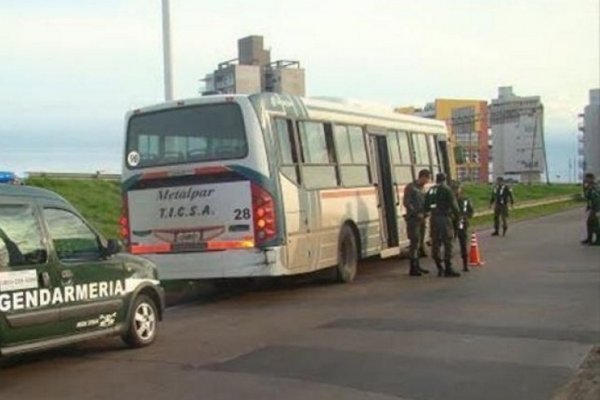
(592, 196)
(462, 228)
(444, 211)
(501, 195)
(414, 203)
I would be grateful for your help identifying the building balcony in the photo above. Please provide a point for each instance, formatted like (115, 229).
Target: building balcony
(581, 123)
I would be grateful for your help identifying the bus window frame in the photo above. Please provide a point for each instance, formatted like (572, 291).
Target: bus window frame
(410, 165)
(432, 139)
(366, 164)
(419, 166)
(330, 152)
(295, 148)
(161, 145)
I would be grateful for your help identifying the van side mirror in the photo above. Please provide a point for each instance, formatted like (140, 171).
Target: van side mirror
(4, 256)
(38, 256)
(112, 247)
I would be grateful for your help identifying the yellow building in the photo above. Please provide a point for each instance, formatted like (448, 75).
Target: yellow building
(468, 125)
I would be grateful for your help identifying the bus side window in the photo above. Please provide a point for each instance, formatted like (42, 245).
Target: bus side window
(288, 152)
(352, 155)
(331, 153)
(401, 157)
(318, 168)
(434, 153)
(444, 157)
(421, 151)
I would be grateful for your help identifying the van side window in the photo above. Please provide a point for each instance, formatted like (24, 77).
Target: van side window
(21, 235)
(72, 238)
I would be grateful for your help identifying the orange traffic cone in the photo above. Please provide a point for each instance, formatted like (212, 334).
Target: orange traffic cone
(474, 257)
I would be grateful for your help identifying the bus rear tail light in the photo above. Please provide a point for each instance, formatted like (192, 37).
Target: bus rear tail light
(265, 222)
(124, 224)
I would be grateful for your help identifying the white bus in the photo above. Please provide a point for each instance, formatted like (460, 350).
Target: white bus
(269, 185)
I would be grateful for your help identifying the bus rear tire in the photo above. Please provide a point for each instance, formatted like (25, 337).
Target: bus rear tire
(347, 256)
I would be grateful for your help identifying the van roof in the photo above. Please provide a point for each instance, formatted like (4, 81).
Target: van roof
(30, 192)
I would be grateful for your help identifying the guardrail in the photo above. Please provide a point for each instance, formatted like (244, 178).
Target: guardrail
(74, 175)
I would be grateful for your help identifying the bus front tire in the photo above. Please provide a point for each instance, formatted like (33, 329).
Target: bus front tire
(347, 256)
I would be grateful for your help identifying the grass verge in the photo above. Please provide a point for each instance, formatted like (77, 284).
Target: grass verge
(529, 212)
(97, 200)
(480, 194)
(100, 201)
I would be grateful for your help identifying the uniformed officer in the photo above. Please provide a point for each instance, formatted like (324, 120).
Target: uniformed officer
(11, 250)
(592, 196)
(440, 201)
(465, 213)
(414, 203)
(501, 196)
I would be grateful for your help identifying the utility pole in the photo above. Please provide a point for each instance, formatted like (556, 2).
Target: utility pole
(543, 139)
(535, 126)
(166, 24)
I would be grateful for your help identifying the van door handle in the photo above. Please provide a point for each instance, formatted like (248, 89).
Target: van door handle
(45, 277)
(67, 276)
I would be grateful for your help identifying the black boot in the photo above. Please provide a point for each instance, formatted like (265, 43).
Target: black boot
(449, 271)
(421, 270)
(440, 269)
(495, 233)
(504, 229)
(588, 240)
(465, 264)
(414, 269)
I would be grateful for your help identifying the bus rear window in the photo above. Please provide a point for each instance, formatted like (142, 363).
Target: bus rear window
(186, 135)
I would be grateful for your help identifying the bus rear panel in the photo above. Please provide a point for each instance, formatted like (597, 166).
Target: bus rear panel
(197, 195)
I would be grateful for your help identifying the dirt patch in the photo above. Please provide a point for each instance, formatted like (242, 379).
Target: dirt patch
(585, 385)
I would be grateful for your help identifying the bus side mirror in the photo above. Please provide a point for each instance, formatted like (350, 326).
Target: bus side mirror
(4, 257)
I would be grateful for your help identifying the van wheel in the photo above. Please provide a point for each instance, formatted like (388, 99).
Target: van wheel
(347, 256)
(143, 323)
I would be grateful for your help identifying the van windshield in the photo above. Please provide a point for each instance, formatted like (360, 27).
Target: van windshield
(186, 135)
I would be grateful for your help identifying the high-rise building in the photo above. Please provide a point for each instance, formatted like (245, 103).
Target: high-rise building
(518, 146)
(467, 122)
(252, 72)
(590, 143)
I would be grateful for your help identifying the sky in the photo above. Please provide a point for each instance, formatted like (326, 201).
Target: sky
(71, 69)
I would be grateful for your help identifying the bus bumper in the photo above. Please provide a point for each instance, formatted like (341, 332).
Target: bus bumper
(237, 263)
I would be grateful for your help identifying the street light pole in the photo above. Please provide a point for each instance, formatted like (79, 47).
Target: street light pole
(167, 50)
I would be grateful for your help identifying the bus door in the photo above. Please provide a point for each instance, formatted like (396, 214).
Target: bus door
(296, 201)
(387, 195)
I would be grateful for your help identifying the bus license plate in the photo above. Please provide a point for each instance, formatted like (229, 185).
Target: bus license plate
(187, 237)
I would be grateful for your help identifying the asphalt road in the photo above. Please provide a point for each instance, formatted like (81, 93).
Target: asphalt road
(517, 328)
